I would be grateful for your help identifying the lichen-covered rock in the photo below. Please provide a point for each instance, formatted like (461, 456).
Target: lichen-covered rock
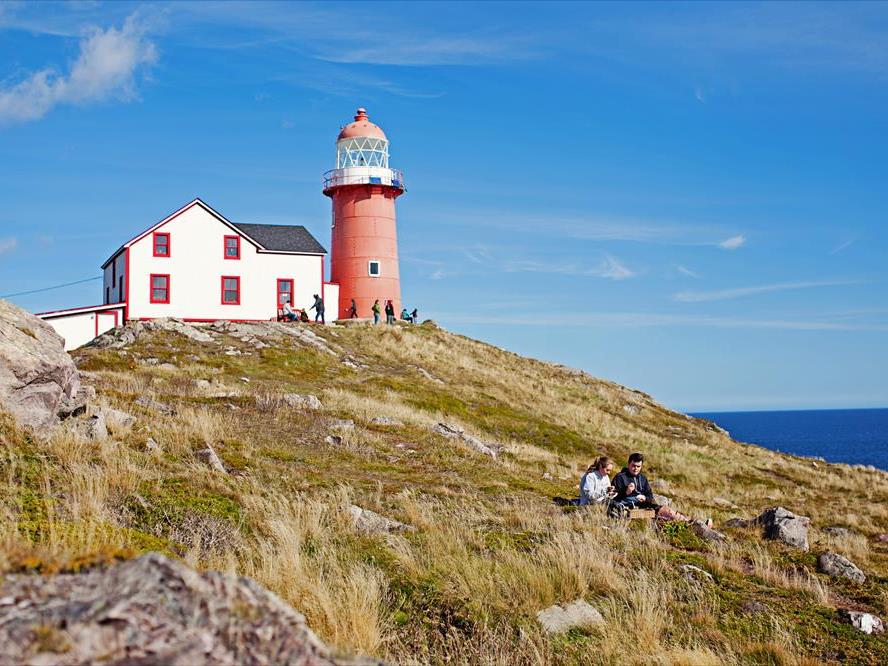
(452, 431)
(301, 401)
(578, 614)
(695, 574)
(385, 420)
(705, 532)
(38, 379)
(838, 566)
(151, 610)
(865, 622)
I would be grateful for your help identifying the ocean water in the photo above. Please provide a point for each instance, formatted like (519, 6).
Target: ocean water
(855, 436)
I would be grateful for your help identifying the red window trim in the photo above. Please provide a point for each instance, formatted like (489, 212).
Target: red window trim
(154, 237)
(151, 287)
(278, 291)
(222, 293)
(225, 247)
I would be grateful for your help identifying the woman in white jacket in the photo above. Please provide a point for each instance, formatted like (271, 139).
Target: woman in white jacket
(595, 484)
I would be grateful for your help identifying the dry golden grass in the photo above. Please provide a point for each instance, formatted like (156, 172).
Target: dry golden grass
(489, 549)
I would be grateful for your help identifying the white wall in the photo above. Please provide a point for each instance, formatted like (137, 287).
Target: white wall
(196, 265)
(331, 301)
(80, 328)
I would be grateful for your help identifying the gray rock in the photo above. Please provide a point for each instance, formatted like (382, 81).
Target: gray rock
(452, 431)
(739, 523)
(152, 610)
(209, 457)
(118, 421)
(154, 405)
(37, 376)
(632, 410)
(202, 383)
(92, 427)
(428, 375)
(705, 532)
(662, 500)
(785, 526)
(385, 420)
(370, 522)
(839, 566)
(723, 502)
(301, 401)
(578, 614)
(342, 424)
(754, 607)
(76, 405)
(695, 574)
(151, 446)
(865, 622)
(333, 440)
(836, 531)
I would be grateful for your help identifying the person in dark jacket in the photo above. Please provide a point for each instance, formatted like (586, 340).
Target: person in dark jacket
(634, 492)
(389, 312)
(318, 307)
(353, 310)
(633, 489)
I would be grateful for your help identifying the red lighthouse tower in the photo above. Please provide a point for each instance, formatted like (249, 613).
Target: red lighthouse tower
(364, 253)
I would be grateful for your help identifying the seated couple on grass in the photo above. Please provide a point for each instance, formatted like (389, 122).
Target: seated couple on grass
(630, 490)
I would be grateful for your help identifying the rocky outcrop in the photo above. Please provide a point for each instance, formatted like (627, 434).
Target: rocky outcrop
(785, 526)
(151, 610)
(838, 566)
(578, 614)
(694, 574)
(211, 459)
(38, 380)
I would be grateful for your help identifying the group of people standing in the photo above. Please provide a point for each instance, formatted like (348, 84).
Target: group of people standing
(630, 490)
(389, 312)
(290, 314)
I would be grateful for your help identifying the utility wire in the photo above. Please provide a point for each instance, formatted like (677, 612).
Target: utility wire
(58, 286)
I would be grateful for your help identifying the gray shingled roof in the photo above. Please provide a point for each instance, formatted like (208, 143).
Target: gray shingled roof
(282, 238)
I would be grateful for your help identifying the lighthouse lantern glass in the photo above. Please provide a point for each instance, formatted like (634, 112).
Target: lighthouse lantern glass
(362, 151)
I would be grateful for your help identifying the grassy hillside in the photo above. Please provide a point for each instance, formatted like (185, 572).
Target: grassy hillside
(489, 549)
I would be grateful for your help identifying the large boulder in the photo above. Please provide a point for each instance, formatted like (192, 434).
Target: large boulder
(151, 610)
(38, 379)
(785, 526)
(838, 566)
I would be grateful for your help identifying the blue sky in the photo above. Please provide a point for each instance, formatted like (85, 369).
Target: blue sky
(689, 199)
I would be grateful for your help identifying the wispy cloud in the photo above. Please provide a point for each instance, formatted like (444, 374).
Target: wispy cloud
(449, 50)
(740, 292)
(733, 242)
(655, 319)
(106, 67)
(608, 267)
(843, 246)
(687, 271)
(8, 244)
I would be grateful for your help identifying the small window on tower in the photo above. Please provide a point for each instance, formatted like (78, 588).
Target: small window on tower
(161, 245)
(232, 247)
(373, 269)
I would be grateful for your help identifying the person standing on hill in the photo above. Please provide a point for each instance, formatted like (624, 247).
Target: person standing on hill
(375, 309)
(318, 307)
(389, 312)
(414, 315)
(353, 311)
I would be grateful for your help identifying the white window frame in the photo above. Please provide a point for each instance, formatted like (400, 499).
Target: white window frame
(378, 268)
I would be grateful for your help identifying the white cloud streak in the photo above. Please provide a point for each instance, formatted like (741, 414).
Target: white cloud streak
(842, 246)
(650, 320)
(687, 271)
(740, 292)
(733, 243)
(8, 244)
(105, 68)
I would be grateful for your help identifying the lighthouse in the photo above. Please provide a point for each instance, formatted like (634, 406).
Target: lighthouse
(363, 188)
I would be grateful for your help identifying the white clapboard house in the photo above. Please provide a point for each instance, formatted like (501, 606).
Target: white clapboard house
(198, 266)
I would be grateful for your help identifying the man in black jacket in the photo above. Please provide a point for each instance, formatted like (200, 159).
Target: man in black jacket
(633, 489)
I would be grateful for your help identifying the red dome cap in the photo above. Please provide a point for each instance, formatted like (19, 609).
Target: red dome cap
(361, 127)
